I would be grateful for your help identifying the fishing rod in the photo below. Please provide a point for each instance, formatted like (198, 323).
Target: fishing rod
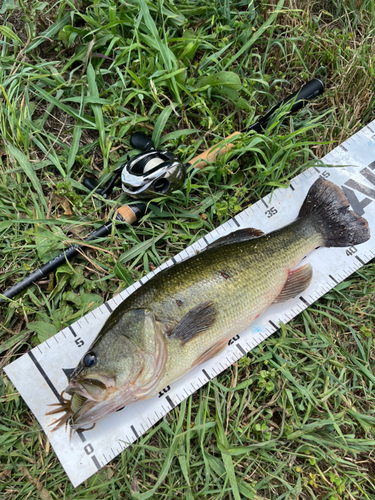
(127, 214)
(300, 98)
(156, 172)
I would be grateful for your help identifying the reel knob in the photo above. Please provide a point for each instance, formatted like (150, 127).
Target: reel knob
(140, 141)
(91, 184)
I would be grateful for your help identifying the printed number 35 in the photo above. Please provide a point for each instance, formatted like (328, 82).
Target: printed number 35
(272, 211)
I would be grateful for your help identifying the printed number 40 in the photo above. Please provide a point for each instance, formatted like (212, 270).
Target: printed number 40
(351, 251)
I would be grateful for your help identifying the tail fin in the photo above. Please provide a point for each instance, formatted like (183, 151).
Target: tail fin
(327, 208)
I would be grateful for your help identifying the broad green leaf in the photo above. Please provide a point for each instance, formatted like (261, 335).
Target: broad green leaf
(29, 171)
(8, 33)
(9, 5)
(43, 330)
(73, 148)
(225, 78)
(98, 113)
(122, 273)
(160, 124)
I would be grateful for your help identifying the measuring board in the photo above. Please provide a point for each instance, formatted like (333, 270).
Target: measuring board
(41, 375)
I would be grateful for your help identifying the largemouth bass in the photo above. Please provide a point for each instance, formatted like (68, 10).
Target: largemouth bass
(186, 314)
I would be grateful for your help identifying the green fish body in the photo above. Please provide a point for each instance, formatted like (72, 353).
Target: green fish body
(187, 313)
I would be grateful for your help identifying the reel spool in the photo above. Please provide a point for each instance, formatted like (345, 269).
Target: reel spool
(151, 173)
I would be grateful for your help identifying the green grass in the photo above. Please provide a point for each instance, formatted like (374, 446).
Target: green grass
(295, 418)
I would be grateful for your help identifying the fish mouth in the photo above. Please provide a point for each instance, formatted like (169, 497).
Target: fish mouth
(90, 411)
(91, 399)
(92, 389)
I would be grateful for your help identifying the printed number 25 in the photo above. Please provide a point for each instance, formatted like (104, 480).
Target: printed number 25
(272, 211)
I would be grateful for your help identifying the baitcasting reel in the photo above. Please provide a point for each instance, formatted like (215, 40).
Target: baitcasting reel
(151, 173)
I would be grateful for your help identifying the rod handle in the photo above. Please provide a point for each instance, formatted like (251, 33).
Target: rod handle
(211, 154)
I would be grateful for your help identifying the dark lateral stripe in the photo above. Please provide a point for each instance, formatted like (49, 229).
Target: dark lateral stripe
(333, 279)
(169, 401)
(46, 377)
(108, 307)
(134, 431)
(206, 374)
(81, 436)
(237, 223)
(264, 203)
(273, 324)
(304, 300)
(241, 349)
(96, 462)
(73, 332)
(360, 260)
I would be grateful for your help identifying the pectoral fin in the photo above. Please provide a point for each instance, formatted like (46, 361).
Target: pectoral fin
(194, 322)
(298, 280)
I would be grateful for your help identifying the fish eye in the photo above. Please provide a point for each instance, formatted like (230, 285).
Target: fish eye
(90, 359)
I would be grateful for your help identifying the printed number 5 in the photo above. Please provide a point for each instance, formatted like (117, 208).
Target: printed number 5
(272, 211)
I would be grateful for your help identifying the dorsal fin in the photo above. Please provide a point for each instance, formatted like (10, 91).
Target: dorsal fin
(238, 236)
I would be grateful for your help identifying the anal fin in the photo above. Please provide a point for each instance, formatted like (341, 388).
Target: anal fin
(298, 280)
